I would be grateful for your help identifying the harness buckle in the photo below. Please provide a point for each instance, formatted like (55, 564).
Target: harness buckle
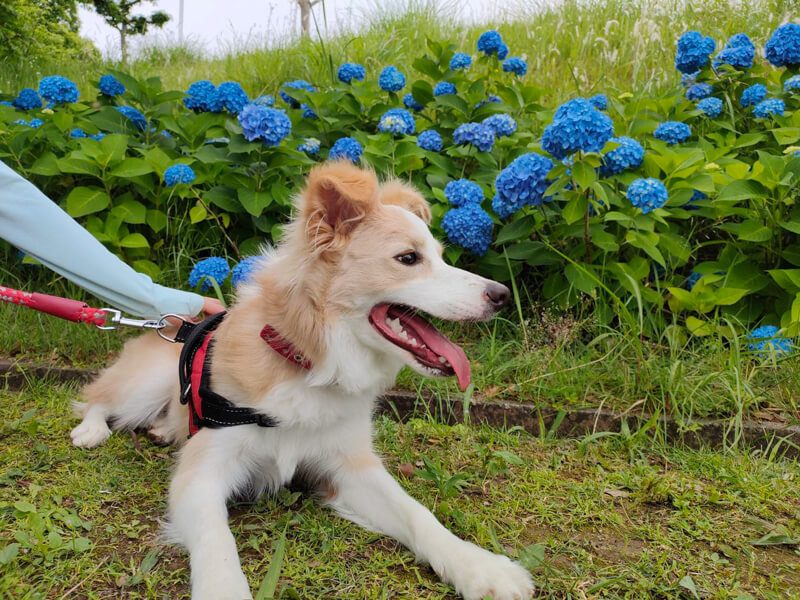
(114, 319)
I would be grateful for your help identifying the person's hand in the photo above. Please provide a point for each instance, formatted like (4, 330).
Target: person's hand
(212, 306)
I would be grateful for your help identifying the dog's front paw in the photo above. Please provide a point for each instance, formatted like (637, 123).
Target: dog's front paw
(221, 586)
(90, 433)
(477, 574)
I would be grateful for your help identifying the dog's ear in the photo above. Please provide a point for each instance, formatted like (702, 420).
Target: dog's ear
(338, 197)
(405, 196)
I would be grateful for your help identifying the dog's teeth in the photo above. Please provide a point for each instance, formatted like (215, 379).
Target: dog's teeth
(395, 325)
(442, 360)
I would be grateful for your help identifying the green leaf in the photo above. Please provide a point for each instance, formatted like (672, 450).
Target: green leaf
(270, 583)
(688, 583)
(741, 189)
(647, 242)
(47, 165)
(147, 267)
(197, 213)
(134, 240)
(425, 65)
(131, 167)
(516, 230)
(575, 209)
(8, 554)
(254, 202)
(775, 538)
(156, 219)
(754, 231)
(583, 174)
(452, 101)
(131, 211)
(24, 507)
(786, 136)
(84, 201)
(580, 278)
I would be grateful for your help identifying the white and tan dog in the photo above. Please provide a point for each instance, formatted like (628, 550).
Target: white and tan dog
(343, 287)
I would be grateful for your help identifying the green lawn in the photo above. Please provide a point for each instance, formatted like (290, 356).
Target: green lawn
(610, 518)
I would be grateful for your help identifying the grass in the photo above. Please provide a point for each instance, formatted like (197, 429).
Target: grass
(611, 518)
(572, 46)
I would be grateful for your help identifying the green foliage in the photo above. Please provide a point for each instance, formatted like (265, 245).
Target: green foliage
(33, 31)
(587, 248)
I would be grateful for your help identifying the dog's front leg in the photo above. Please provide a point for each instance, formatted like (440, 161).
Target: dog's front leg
(366, 494)
(204, 480)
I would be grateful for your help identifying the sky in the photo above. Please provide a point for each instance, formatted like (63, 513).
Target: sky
(218, 25)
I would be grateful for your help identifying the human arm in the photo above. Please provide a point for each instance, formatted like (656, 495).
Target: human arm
(39, 227)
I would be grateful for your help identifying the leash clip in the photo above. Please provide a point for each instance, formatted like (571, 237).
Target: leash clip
(117, 320)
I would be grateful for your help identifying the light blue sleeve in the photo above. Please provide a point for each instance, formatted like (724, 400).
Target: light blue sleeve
(36, 225)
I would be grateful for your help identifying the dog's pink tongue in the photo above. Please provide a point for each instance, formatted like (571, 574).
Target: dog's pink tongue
(454, 354)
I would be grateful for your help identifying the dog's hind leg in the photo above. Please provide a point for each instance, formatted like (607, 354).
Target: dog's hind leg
(130, 393)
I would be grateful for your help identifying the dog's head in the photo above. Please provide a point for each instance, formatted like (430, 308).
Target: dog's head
(377, 266)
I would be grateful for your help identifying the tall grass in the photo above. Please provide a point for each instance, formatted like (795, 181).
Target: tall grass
(572, 46)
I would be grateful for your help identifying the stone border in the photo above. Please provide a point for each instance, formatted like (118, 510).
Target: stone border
(536, 420)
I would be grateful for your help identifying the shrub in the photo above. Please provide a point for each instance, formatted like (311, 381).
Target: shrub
(603, 211)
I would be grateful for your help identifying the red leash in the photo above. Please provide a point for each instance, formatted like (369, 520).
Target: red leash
(80, 312)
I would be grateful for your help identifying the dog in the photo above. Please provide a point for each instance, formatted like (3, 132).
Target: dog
(343, 289)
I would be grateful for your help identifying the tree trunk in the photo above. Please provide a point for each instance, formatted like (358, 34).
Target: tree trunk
(305, 16)
(123, 43)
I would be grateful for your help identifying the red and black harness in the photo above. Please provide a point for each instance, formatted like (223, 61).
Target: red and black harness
(206, 407)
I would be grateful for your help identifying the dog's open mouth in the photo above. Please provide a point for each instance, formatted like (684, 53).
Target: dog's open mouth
(403, 327)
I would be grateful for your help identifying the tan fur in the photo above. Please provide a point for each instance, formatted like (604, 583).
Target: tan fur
(404, 196)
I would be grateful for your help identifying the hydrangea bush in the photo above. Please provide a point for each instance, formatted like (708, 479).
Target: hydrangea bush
(682, 204)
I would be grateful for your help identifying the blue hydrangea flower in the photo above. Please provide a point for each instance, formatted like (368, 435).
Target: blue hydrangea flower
(460, 60)
(176, 174)
(689, 79)
(244, 270)
(516, 65)
(391, 79)
(769, 107)
(753, 95)
(501, 123)
(77, 133)
(269, 125)
(297, 84)
(110, 86)
(215, 268)
(232, 96)
(522, 183)
(411, 104)
(792, 84)
(97, 136)
(309, 146)
(647, 194)
(628, 155)
(693, 51)
(308, 112)
(6, 103)
(430, 140)
(462, 192)
(490, 42)
(502, 51)
(265, 100)
(397, 121)
(766, 342)
(470, 227)
(134, 116)
(27, 99)
(349, 71)
(34, 123)
(698, 91)
(444, 87)
(202, 96)
(346, 147)
(711, 107)
(216, 140)
(577, 126)
(696, 195)
(477, 134)
(692, 280)
(58, 90)
(672, 132)
(783, 48)
(599, 101)
(489, 98)
(739, 53)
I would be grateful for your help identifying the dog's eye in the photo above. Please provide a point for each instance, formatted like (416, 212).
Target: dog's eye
(409, 258)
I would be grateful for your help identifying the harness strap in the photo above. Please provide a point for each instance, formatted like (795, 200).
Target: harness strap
(206, 407)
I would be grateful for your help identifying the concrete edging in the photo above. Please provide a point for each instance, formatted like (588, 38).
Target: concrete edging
(536, 420)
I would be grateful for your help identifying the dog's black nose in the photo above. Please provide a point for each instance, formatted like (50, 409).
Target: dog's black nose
(497, 294)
